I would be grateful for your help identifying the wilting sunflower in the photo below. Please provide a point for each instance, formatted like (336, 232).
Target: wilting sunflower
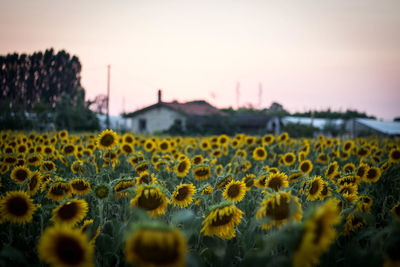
(373, 174)
(315, 188)
(235, 191)
(20, 174)
(121, 185)
(331, 170)
(280, 208)
(34, 160)
(221, 221)
(107, 139)
(183, 167)
(80, 187)
(202, 172)
(150, 198)
(394, 155)
(259, 153)
(349, 167)
(155, 245)
(34, 183)
(306, 166)
(141, 167)
(102, 191)
(70, 213)
(60, 245)
(58, 190)
(396, 210)
(277, 180)
(318, 234)
(17, 207)
(322, 158)
(183, 195)
(289, 158)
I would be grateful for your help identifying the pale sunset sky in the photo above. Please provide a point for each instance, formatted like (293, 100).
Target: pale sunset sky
(306, 54)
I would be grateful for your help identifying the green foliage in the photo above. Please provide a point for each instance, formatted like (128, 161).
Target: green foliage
(328, 114)
(297, 130)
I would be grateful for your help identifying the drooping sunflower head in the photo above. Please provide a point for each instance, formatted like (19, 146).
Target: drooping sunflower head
(364, 204)
(121, 185)
(249, 180)
(295, 176)
(141, 167)
(80, 186)
(259, 153)
(183, 195)
(277, 180)
(306, 166)
(77, 167)
(61, 245)
(202, 172)
(70, 213)
(17, 207)
(362, 170)
(262, 181)
(155, 245)
(150, 198)
(353, 222)
(235, 191)
(183, 167)
(107, 139)
(20, 174)
(221, 221)
(280, 207)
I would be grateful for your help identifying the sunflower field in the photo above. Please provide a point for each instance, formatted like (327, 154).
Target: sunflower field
(110, 199)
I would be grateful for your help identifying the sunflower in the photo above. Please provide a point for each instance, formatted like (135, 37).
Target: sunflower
(294, 177)
(128, 138)
(234, 191)
(141, 167)
(102, 191)
(63, 134)
(348, 145)
(348, 189)
(107, 139)
(160, 165)
(21, 149)
(20, 174)
(331, 170)
(60, 245)
(133, 160)
(150, 198)
(80, 187)
(149, 145)
(373, 174)
(70, 213)
(259, 153)
(223, 181)
(319, 233)
(17, 207)
(289, 158)
(4, 168)
(315, 188)
(77, 167)
(396, 210)
(145, 178)
(58, 190)
(279, 208)
(48, 166)
(48, 150)
(155, 245)
(283, 137)
(69, 149)
(10, 160)
(364, 204)
(363, 152)
(182, 196)
(349, 167)
(206, 189)
(353, 222)
(302, 156)
(362, 170)
(198, 159)
(394, 155)
(249, 181)
(127, 148)
(322, 158)
(183, 167)
(221, 221)
(121, 186)
(277, 180)
(325, 192)
(306, 166)
(34, 183)
(85, 229)
(34, 160)
(261, 181)
(219, 170)
(241, 153)
(267, 139)
(164, 146)
(201, 172)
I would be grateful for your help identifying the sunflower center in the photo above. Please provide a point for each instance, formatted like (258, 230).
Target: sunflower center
(305, 167)
(182, 166)
(360, 172)
(101, 192)
(68, 211)
(324, 191)
(331, 169)
(275, 183)
(33, 159)
(396, 155)
(21, 175)
(58, 190)
(141, 168)
(233, 190)
(68, 149)
(182, 193)
(150, 202)
(107, 140)
(289, 158)
(156, 254)
(33, 182)
(48, 166)
(79, 185)
(222, 220)
(17, 206)
(164, 146)
(69, 250)
(260, 153)
(202, 172)
(371, 174)
(279, 212)
(314, 188)
(10, 160)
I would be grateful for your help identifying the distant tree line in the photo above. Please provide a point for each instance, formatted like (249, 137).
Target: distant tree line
(41, 89)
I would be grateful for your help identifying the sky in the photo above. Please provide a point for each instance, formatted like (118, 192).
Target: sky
(303, 54)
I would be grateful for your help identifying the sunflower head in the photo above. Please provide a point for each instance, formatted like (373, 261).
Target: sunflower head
(259, 153)
(306, 166)
(102, 191)
(121, 185)
(80, 186)
(107, 139)
(17, 207)
(150, 198)
(183, 167)
(70, 213)
(20, 174)
(202, 172)
(373, 174)
(183, 195)
(235, 191)
(155, 244)
(58, 190)
(289, 158)
(331, 170)
(315, 188)
(277, 180)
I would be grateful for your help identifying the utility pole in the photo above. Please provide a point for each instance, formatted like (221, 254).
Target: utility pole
(237, 94)
(108, 97)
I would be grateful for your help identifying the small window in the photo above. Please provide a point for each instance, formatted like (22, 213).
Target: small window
(142, 125)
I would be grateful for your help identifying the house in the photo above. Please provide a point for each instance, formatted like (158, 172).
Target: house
(364, 127)
(162, 115)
